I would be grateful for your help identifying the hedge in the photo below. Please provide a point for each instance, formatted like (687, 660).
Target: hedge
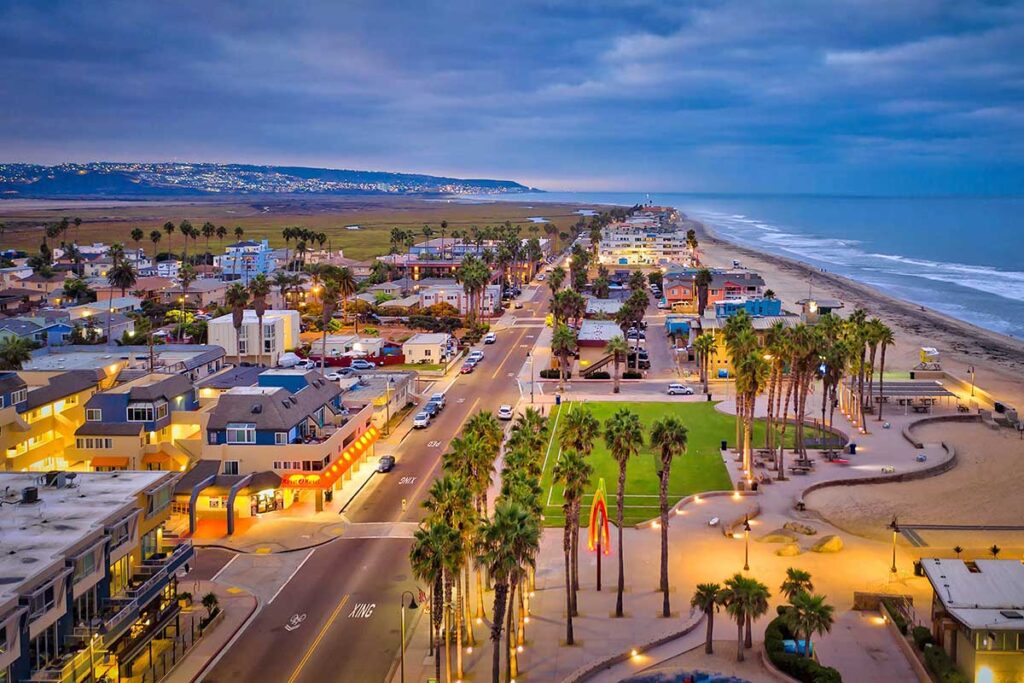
(803, 669)
(897, 617)
(631, 374)
(942, 666)
(552, 374)
(922, 636)
(600, 374)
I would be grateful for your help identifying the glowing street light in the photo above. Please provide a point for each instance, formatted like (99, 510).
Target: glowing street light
(746, 543)
(895, 526)
(412, 605)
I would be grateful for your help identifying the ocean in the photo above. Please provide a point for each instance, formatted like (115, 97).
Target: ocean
(963, 256)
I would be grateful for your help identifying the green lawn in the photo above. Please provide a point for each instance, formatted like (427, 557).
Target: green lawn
(700, 468)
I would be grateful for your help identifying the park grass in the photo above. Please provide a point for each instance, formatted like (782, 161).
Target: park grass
(699, 469)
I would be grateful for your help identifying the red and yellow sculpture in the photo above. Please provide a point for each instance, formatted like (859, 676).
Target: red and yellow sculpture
(599, 537)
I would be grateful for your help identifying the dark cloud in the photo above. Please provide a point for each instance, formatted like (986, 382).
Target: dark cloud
(738, 95)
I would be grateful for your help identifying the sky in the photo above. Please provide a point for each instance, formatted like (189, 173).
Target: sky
(836, 96)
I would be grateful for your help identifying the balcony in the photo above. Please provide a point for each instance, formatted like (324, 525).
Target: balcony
(170, 560)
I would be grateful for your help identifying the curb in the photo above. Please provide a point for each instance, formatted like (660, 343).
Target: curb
(257, 606)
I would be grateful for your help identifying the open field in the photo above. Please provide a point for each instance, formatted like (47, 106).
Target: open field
(700, 468)
(264, 217)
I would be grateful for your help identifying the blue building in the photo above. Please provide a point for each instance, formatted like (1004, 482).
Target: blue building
(245, 260)
(753, 307)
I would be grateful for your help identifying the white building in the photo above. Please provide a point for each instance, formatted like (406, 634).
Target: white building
(642, 242)
(280, 334)
(433, 348)
(455, 296)
(169, 268)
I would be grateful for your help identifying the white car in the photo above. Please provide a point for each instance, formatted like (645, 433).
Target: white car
(679, 390)
(490, 338)
(439, 399)
(505, 412)
(421, 420)
(306, 365)
(475, 356)
(334, 376)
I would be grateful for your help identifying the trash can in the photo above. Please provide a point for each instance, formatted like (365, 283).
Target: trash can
(709, 397)
(558, 399)
(725, 445)
(753, 486)
(853, 449)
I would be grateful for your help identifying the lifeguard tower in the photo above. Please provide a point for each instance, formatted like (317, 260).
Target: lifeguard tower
(928, 359)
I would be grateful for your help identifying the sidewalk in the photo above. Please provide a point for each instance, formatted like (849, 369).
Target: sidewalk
(237, 605)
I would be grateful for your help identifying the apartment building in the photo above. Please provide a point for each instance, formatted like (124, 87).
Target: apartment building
(280, 333)
(245, 260)
(642, 241)
(90, 584)
(454, 295)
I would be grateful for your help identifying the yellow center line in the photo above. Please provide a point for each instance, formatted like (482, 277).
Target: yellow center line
(427, 480)
(515, 346)
(319, 637)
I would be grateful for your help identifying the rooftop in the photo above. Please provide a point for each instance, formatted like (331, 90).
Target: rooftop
(43, 390)
(598, 330)
(176, 357)
(980, 594)
(249, 317)
(35, 537)
(242, 376)
(428, 338)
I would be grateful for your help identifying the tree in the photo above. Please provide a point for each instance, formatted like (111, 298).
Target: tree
(555, 279)
(77, 290)
(809, 615)
(259, 289)
(733, 597)
(703, 280)
(669, 436)
(796, 581)
(707, 598)
(885, 339)
(637, 281)
(208, 230)
(706, 348)
(329, 304)
(563, 346)
(186, 276)
(14, 353)
(236, 298)
(573, 472)
(619, 350)
(154, 237)
(239, 231)
(210, 602)
(169, 229)
(579, 431)
(751, 377)
(623, 435)
(431, 546)
(347, 286)
(137, 235)
(122, 276)
(757, 596)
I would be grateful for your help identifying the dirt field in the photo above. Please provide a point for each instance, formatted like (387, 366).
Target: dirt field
(265, 217)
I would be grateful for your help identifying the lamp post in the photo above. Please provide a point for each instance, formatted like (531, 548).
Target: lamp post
(895, 526)
(412, 605)
(971, 370)
(530, 356)
(387, 405)
(746, 543)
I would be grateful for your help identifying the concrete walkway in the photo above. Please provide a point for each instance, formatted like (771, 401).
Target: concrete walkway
(238, 607)
(876, 657)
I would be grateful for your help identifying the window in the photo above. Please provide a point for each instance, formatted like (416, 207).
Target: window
(281, 438)
(140, 412)
(18, 396)
(230, 467)
(1, 401)
(241, 433)
(42, 601)
(426, 352)
(161, 411)
(243, 346)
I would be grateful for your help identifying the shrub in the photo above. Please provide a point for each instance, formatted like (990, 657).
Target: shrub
(897, 617)
(922, 636)
(600, 374)
(942, 666)
(632, 374)
(552, 374)
(804, 669)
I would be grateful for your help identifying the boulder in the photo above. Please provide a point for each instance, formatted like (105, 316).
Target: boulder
(828, 544)
(778, 536)
(789, 550)
(800, 528)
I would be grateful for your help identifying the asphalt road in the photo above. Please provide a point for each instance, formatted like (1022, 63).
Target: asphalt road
(345, 598)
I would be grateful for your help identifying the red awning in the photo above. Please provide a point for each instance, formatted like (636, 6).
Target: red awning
(325, 478)
(110, 461)
(156, 458)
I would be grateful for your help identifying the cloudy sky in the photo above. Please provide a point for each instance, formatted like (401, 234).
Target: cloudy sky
(844, 96)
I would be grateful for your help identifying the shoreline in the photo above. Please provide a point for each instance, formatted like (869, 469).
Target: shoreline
(997, 358)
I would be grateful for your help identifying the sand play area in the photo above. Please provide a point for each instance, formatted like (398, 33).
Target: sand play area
(985, 487)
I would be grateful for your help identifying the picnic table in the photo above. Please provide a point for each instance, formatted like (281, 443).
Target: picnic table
(921, 408)
(799, 469)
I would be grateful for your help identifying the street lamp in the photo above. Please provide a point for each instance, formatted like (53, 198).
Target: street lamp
(746, 543)
(530, 357)
(895, 526)
(412, 605)
(971, 370)
(387, 405)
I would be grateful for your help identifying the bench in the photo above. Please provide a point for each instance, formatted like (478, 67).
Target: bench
(799, 469)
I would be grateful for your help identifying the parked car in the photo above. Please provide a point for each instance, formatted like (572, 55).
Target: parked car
(541, 277)
(679, 390)
(432, 408)
(386, 463)
(505, 412)
(422, 420)
(519, 304)
(643, 363)
(334, 376)
(475, 356)
(467, 368)
(490, 338)
(440, 399)
(306, 365)
(360, 364)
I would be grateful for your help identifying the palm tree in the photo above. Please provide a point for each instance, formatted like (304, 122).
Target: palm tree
(347, 286)
(579, 431)
(796, 581)
(236, 298)
(885, 339)
(76, 289)
(809, 615)
(14, 353)
(259, 288)
(499, 540)
(707, 598)
(208, 230)
(431, 547)
(186, 276)
(757, 596)
(329, 304)
(555, 279)
(137, 235)
(619, 349)
(185, 228)
(563, 346)
(702, 280)
(669, 436)
(239, 231)
(751, 377)
(122, 276)
(573, 471)
(623, 435)
(169, 229)
(733, 597)
(154, 237)
(706, 348)
(221, 232)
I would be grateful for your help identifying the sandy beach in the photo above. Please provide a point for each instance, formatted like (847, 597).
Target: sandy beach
(997, 359)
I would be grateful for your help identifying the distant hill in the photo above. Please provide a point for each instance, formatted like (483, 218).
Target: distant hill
(106, 179)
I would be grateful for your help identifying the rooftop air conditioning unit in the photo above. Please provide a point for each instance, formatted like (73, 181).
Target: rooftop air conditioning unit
(29, 495)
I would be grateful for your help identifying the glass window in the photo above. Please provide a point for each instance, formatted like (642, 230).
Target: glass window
(140, 412)
(241, 433)
(161, 411)
(94, 415)
(280, 438)
(230, 467)
(19, 396)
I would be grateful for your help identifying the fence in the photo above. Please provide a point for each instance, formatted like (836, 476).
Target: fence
(164, 654)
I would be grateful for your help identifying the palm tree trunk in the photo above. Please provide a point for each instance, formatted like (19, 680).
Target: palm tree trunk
(437, 606)
(785, 420)
(511, 668)
(666, 610)
(447, 628)
(568, 588)
(748, 639)
(521, 627)
(467, 620)
(739, 639)
(500, 591)
(458, 625)
(615, 387)
(881, 382)
(619, 505)
(748, 428)
(575, 558)
(709, 648)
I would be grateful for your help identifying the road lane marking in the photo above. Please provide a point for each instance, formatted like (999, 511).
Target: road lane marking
(362, 610)
(295, 622)
(426, 480)
(319, 637)
(226, 565)
(511, 349)
(291, 576)
(406, 481)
